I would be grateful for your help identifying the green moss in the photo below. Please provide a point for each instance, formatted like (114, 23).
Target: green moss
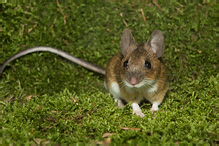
(68, 103)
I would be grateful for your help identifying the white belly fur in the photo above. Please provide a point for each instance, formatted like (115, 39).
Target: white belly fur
(115, 90)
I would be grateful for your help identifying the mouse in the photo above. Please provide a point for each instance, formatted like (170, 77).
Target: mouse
(138, 72)
(132, 75)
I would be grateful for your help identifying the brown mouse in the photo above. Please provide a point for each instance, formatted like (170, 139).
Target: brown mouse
(135, 74)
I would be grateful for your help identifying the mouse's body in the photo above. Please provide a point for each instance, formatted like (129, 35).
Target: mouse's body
(133, 75)
(137, 73)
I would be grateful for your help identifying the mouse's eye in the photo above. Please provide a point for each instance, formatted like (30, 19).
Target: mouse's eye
(125, 64)
(148, 64)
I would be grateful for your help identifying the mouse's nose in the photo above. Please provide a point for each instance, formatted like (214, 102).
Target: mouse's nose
(133, 80)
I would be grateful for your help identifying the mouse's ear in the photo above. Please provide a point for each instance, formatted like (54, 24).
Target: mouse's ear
(156, 42)
(127, 41)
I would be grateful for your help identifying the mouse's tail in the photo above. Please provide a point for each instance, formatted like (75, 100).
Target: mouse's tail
(55, 51)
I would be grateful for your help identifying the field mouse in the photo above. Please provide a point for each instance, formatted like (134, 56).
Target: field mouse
(133, 75)
(137, 73)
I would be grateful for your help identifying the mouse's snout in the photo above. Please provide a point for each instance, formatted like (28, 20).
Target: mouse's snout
(133, 79)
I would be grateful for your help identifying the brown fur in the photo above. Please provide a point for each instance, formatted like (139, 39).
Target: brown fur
(136, 55)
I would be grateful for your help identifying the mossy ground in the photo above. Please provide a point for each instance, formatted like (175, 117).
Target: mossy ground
(46, 99)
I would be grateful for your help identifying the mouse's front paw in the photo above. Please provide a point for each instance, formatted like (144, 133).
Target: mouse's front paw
(154, 109)
(139, 113)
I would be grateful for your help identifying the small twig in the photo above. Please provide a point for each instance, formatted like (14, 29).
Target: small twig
(51, 119)
(191, 37)
(156, 4)
(36, 108)
(146, 2)
(64, 19)
(82, 116)
(106, 135)
(51, 27)
(142, 13)
(127, 128)
(125, 22)
(55, 112)
(53, 23)
(64, 16)
(48, 127)
(22, 30)
(29, 30)
(121, 14)
(180, 4)
(9, 99)
(74, 99)
(60, 7)
(199, 5)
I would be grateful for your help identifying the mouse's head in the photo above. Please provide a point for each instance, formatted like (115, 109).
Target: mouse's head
(140, 65)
